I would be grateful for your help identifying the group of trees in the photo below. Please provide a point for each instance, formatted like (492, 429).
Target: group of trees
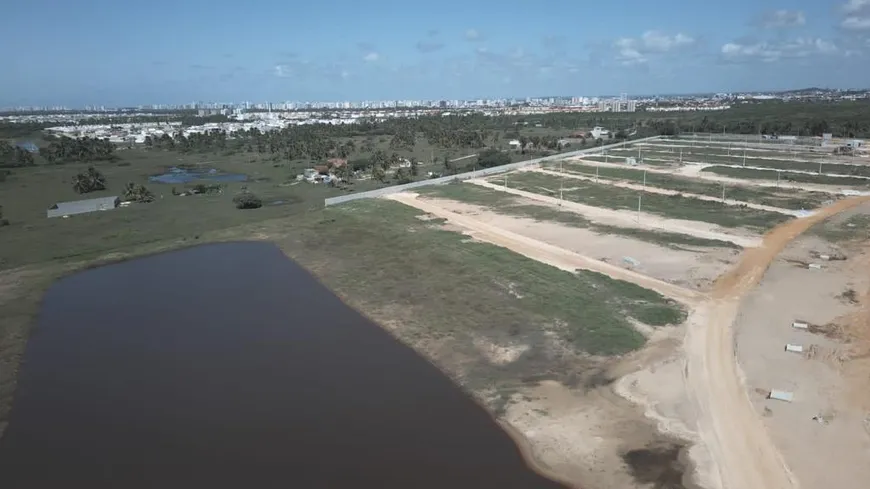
(66, 149)
(14, 157)
(135, 192)
(89, 181)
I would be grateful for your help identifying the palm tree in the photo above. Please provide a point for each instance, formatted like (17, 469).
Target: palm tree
(90, 181)
(137, 193)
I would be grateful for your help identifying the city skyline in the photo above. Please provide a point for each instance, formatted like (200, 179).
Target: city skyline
(141, 54)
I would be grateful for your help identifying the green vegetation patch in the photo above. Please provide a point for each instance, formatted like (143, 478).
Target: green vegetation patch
(756, 174)
(672, 206)
(471, 286)
(792, 200)
(507, 204)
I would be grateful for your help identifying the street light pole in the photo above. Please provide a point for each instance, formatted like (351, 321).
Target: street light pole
(638, 207)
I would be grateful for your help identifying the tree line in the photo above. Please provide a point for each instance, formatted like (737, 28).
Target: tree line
(67, 150)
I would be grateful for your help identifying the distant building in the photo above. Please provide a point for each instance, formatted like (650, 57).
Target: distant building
(515, 144)
(617, 105)
(83, 206)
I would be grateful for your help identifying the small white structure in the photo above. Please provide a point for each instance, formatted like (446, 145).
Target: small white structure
(815, 266)
(599, 132)
(855, 143)
(631, 161)
(64, 209)
(794, 348)
(800, 325)
(781, 395)
(515, 144)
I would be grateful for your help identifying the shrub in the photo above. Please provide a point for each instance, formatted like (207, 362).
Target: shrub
(247, 200)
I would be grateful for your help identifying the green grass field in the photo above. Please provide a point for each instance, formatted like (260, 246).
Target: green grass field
(676, 207)
(782, 161)
(756, 174)
(790, 199)
(511, 205)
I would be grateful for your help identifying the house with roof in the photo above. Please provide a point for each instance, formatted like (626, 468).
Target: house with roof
(65, 209)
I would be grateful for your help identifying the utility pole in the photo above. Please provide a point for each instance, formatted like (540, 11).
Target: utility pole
(638, 207)
(777, 178)
(744, 156)
(596, 173)
(681, 156)
(820, 167)
(723, 192)
(644, 179)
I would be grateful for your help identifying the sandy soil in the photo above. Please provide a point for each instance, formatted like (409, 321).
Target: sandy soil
(684, 267)
(543, 252)
(664, 191)
(697, 391)
(831, 380)
(745, 458)
(630, 219)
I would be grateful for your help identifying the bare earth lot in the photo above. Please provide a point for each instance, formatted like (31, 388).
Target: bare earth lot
(830, 379)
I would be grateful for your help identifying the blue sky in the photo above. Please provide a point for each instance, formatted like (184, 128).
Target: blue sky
(159, 51)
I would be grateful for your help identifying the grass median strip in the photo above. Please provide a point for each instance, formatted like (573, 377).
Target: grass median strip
(794, 200)
(781, 163)
(670, 206)
(510, 205)
(756, 174)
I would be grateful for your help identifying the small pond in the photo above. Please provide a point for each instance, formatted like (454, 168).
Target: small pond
(229, 366)
(183, 175)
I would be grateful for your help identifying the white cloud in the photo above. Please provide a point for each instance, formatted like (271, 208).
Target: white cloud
(856, 23)
(854, 6)
(856, 15)
(282, 71)
(775, 51)
(657, 41)
(371, 57)
(783, 18)
(631, 51)
(473, 35)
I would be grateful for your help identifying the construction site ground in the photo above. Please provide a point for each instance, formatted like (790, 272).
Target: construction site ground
(696, 394)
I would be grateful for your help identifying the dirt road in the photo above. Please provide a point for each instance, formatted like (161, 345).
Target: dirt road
(546, 253)
(630, 219)
(664, 191)
(728, 425)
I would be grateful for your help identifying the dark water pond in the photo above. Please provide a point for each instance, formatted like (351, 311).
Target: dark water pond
(182, 175)
(229, 366)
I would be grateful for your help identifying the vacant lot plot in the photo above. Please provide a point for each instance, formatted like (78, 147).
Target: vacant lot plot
(508, 204)
(677, 207)
(792, 200)
(620, 158)
(756, 174)
(733, 149)
(779, 162)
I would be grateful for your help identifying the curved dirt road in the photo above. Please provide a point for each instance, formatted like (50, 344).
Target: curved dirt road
(728, 424)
